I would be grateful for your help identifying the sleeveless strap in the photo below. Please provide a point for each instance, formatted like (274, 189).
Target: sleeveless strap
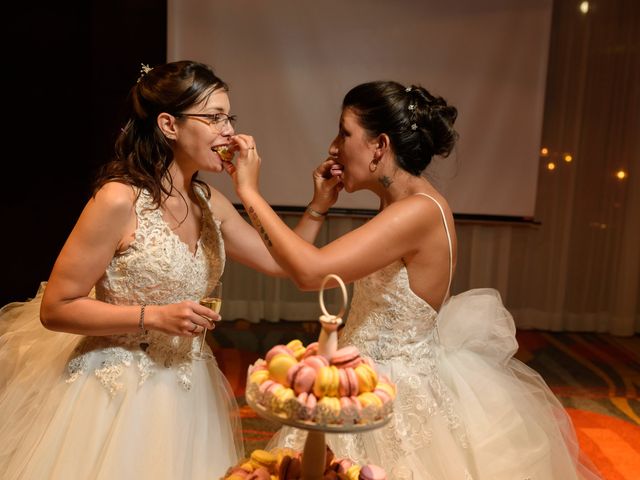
(446, 228)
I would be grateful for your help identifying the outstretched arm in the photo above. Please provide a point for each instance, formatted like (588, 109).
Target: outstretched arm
(246, 245)
(392, 234)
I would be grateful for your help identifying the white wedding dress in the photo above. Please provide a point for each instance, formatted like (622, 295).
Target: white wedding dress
(465, 409)
(130, 406)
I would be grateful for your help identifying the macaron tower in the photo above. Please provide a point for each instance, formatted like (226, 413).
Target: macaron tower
(295, 382)
(286, 464)
(320, 388)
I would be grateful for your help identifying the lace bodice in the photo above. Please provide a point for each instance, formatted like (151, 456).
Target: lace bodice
(398, 330)
(387, 320)
(157, 268)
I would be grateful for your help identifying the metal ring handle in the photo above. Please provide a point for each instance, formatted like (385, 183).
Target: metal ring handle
(344, 295)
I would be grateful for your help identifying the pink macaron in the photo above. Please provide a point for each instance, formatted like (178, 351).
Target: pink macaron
(276, 350)
(348, 382)
(348, 356)
(357, 404)
(260, 473)
(316, 362)
(301, 377)
(308, 401)
(312, 349)
(347, 407)
(384, 396)
(372, 472)
(343, 465)
(266, 385)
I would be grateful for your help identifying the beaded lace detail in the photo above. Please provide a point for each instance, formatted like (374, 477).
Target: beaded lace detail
(158, 268)
(393, 326)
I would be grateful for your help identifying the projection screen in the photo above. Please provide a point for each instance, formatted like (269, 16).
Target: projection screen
(289, 63)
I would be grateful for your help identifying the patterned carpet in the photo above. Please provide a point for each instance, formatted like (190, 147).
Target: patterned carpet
(596, 377)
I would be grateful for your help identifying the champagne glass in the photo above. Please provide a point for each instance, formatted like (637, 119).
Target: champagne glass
(213, 300)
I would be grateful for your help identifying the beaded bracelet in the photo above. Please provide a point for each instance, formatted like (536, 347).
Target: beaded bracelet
(315, 213)
(141, 321)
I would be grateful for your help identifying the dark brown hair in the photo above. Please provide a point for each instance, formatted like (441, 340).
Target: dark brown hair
(142, 152)
(419, 124)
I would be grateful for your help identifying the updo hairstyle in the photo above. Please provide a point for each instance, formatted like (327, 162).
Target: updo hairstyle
(419, 124)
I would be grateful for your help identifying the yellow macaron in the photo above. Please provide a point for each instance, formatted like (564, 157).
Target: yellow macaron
(279, 366)
(263, 458)
(259, 376)
(369, 398)
(367, 377)
(353, 472)
(297, 347)
(327, 382)
(331, 404)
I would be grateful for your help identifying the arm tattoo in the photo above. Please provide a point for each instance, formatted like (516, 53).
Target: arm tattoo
(256, 222)
(385, 181)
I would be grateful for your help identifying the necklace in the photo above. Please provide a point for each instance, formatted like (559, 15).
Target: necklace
(179, 222)
(186, 215)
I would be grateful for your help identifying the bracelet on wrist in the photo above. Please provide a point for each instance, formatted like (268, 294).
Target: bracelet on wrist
(315, 214)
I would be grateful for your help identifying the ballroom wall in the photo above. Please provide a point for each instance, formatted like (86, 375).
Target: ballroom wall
(71, 65)
(68, 67)
(579, 268)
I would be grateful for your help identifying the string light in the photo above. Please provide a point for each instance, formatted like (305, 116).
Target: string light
(584, 7)
(551, 166)
(621, 174)
(544, 151)
(567, 157)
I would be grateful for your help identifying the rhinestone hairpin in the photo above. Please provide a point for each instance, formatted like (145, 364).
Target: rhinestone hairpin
(408, 89)
(412, 107)
(414, 126)
(144, 69)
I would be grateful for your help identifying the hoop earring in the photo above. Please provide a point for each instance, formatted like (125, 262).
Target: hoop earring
(373, 165)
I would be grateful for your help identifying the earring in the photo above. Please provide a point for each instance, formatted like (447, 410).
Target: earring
(373, 165)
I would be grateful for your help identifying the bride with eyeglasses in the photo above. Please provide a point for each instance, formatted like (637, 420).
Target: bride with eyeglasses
(110, 388)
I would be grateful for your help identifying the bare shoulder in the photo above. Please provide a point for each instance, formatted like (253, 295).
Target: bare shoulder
(419, 210)
(430, 205)
(115, 196)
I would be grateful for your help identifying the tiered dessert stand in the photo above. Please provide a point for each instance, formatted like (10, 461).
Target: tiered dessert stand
(314, 453)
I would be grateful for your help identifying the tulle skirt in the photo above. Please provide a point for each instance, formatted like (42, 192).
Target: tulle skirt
(55, 428)
(470, 411)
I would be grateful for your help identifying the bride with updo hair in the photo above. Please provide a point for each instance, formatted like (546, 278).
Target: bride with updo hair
(465, 408)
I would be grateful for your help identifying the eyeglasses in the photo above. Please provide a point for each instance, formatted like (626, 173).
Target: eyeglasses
(217, 120)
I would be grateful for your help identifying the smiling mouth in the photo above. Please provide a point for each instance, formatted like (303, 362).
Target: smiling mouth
(224, 152)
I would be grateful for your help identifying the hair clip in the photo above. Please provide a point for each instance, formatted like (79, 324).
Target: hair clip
(412, 107)
(414, 126)
(144, 69)
(408, 89)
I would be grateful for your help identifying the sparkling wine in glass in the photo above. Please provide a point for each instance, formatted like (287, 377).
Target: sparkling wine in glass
(212, 300)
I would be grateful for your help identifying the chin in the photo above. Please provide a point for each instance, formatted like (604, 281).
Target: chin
(350, 187)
